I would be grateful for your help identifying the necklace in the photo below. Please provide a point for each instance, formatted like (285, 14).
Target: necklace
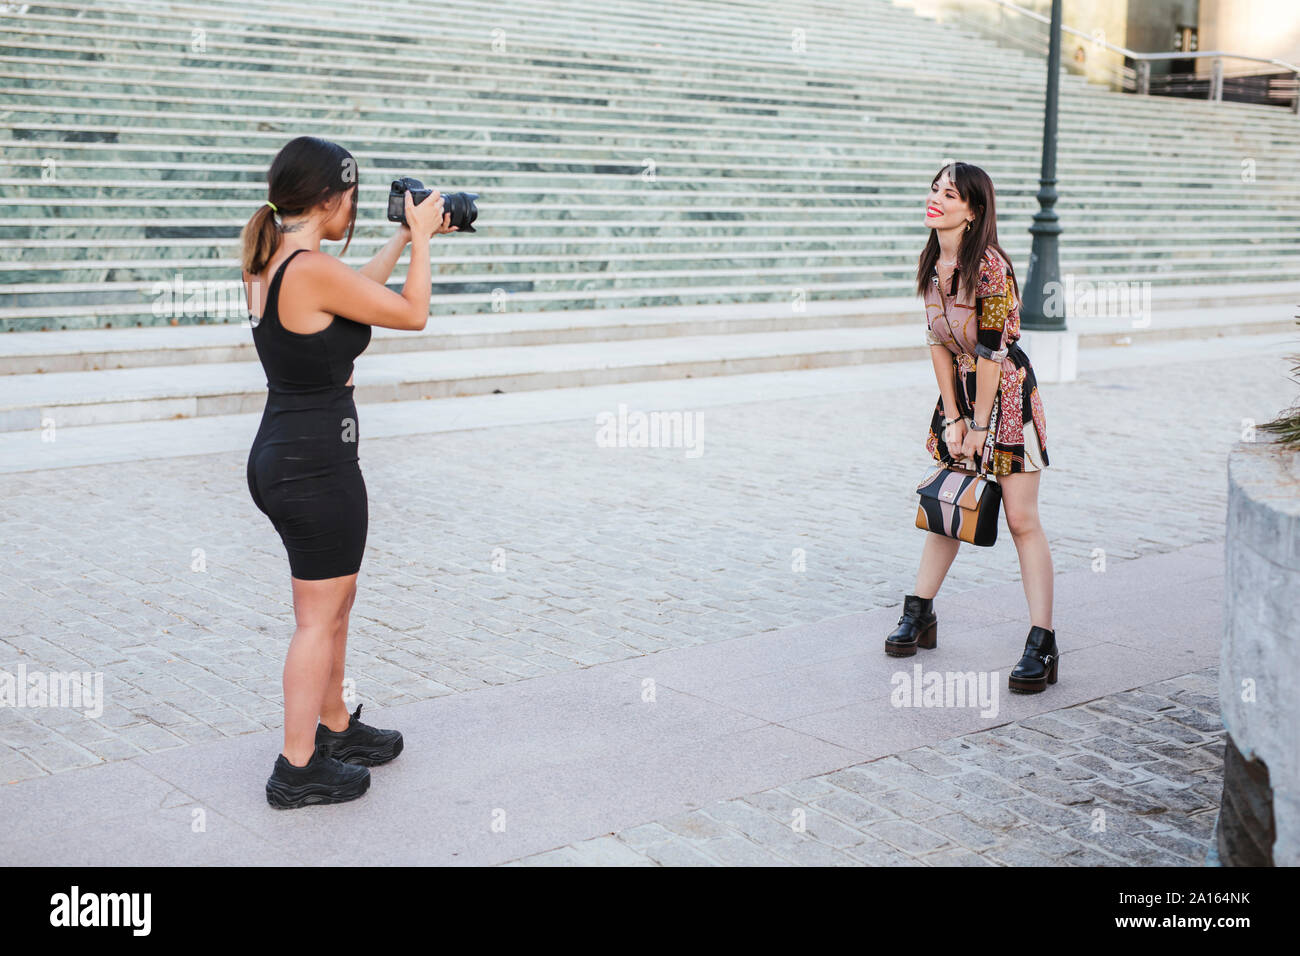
(950, 263)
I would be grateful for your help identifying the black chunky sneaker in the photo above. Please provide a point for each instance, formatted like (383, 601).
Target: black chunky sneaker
(1037, 668)
(918, 627)
(323, 780)
(360, 743)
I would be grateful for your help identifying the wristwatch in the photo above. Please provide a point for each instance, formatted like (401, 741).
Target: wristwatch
(970, 423)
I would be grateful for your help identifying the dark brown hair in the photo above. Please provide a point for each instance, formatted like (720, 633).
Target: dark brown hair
(306, 172)
(976, 189)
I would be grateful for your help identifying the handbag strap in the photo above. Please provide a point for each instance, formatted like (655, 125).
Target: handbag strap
(980, 470)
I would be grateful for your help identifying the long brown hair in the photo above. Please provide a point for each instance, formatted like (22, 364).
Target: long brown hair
(307, 171)
(975, 187)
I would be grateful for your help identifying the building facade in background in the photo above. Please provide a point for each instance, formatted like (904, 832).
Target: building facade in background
(1263, 28)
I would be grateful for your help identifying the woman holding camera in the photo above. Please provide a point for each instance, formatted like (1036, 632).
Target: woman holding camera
(313, 318)
(989, 406)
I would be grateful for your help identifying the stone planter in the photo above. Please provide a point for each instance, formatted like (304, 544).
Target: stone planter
(1259, 672)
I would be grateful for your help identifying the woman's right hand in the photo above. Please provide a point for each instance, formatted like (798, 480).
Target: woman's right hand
(954, 436)
(426, 218)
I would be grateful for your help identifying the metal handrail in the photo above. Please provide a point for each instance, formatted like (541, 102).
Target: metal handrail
(1144, 60)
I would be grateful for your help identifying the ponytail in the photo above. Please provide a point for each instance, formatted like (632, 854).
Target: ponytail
(259, 239)
(306, 172)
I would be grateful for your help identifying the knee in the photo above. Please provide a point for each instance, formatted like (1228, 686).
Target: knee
(1021, 523)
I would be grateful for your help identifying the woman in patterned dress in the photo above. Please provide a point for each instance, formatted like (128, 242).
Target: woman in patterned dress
(989, 408)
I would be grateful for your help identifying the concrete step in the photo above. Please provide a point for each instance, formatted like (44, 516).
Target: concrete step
(93, 349)
(75, 398)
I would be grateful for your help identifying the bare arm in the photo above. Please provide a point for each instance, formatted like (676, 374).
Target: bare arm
(942, 360)
(955, 434)
(339, 290)
(381, 266)
(360, 297)
(988, 375)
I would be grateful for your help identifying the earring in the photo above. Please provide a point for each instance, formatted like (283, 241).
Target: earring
(968, 222)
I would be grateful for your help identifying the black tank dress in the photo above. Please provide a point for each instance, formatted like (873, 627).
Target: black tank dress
(303, 469)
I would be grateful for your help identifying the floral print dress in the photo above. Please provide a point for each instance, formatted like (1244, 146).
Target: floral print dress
(1017, 435)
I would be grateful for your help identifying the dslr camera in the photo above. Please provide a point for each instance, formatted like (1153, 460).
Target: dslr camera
(460, 205)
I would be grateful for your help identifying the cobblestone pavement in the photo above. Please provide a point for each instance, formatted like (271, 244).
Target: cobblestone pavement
(1128, 779)
(505, 553)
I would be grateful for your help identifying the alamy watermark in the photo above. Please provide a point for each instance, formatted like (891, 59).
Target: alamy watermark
(1084, 298)
(75, 689)
(923, 688)
(130, 910)
(626, 429)
(210, 299)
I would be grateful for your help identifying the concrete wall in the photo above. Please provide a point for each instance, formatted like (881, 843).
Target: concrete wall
(1268, 28)
(1108, 20)
(1259, 665)
(1265, 28)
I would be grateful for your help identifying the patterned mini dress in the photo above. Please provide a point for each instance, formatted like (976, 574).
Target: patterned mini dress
(1017, 435)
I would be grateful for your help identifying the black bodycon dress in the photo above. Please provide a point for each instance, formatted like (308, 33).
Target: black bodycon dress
(303, 469)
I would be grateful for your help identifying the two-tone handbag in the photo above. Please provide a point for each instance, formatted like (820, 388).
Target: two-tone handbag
(960, 503)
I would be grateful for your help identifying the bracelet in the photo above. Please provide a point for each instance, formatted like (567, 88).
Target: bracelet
(983, 351)
(951, 421)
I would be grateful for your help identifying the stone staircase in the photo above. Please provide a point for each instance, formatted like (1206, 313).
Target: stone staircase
(667, 190)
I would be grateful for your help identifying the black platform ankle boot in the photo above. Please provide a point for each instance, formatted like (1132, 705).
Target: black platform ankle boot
(918, 627)
(1037, 668)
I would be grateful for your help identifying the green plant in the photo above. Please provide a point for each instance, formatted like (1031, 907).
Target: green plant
(1287, 425)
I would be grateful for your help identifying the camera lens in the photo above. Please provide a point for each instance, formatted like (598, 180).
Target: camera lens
(462, 209)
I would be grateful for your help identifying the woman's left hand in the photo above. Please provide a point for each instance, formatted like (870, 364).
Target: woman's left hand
(974, 442)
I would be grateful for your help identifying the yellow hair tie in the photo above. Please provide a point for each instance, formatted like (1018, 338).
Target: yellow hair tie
(272, 205)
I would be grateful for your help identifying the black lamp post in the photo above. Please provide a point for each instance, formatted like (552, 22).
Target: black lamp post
(1044, 257)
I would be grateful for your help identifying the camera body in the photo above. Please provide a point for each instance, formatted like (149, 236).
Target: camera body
(460, 205)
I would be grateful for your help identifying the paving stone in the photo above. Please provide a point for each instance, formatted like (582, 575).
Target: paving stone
(648, 834)
(965, 831)
(737, 851)
(1109, 771)
(1181, 799)
(908, 836)
(1048, 724)
(1132, 850)
(956, 856)
(857, 779)
(1047, 815)
(607, 851)
(1196, 720)
(1192, 850)
(563, 856)
(828, 830)
(930, 763)
(1116, 751)
(875, 852)
(853, 809)
(813, 787)
(985, 785)
(677, 853)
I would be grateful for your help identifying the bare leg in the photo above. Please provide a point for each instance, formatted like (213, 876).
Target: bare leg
(1020, 504)
(936, 559)
(333, 711)
(318, 607)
